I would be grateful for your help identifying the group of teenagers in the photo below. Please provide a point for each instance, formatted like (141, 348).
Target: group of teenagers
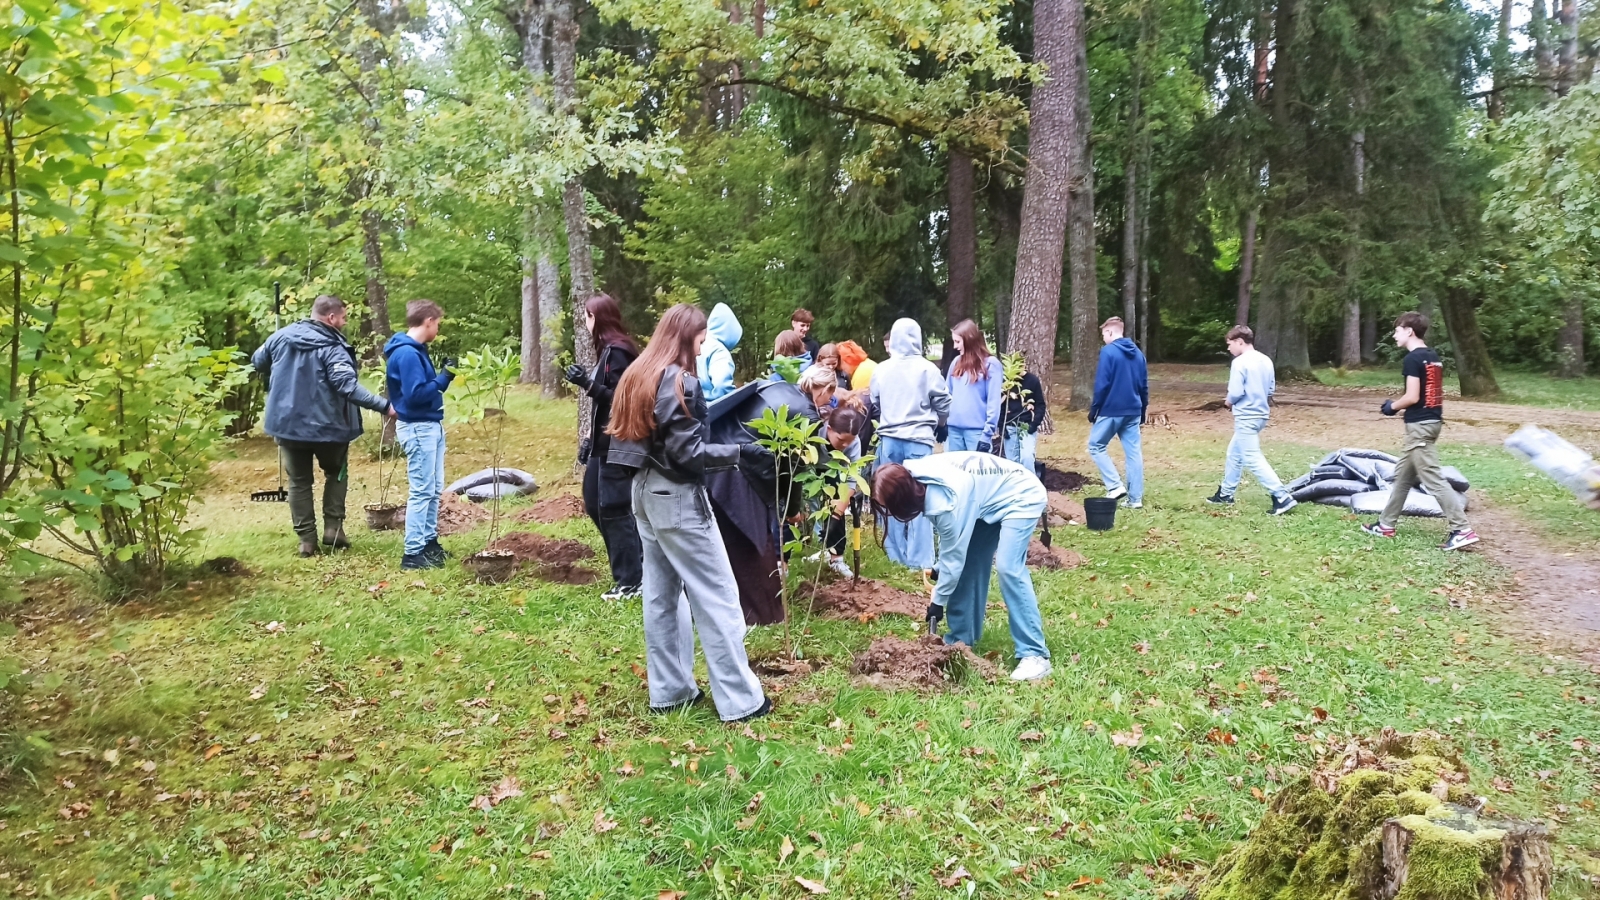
(956, 516)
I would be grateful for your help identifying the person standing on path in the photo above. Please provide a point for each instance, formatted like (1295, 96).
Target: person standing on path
(1423, 405)
(912, 408)
(1121, 395)
(314, 403)
(976, 384)
(607, 488)
(417, 390)
(1252, 380)
(658, 429)
(714, 363)
(984, 509)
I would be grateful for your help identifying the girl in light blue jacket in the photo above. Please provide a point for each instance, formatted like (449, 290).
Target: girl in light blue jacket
(976, 383)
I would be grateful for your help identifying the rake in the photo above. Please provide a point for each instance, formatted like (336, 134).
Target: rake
(279, 495)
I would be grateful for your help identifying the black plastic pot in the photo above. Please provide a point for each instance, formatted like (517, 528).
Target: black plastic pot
(1100, 513)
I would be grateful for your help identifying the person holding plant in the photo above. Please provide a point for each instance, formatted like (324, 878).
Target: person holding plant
(658, 429)
(608, 488)
(983, 508)
(842, 432)
(714, 362)
(417, 389)
(314, 403)
(1024, 413)
(976, 383)
(789, 357)
(912, 407)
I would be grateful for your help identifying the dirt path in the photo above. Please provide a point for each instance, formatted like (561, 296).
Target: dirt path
(1555, 598)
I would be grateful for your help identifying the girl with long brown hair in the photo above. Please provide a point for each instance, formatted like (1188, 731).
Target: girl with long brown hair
(658, 428)
(608, 488)
(976, 381)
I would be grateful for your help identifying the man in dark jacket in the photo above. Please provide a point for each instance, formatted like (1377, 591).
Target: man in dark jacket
(1021, 420)
(314, 403)
(1121, 395)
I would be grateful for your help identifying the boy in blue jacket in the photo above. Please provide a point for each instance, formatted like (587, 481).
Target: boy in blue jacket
(416, 390)
(1121, 395)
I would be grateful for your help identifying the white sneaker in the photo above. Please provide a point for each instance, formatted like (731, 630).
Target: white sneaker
(815, 557)
(1129, 503)
(1031, 668)
(1116, 493)
(837, 564)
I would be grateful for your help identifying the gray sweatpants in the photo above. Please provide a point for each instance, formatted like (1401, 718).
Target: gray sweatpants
(684, 556)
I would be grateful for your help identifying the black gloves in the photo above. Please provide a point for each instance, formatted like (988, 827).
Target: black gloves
(1092, 417)
(757, 461)
(449, 364)
(934, 616)
(985, 447)
(575, 375)
(941, 433)
(1388, 408)
(585, 447)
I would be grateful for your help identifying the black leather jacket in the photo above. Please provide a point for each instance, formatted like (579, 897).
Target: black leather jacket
(678, 448)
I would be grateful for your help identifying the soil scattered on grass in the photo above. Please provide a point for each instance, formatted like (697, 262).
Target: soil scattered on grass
(1044, 557)
(894, 663)
(845, 599)
(227, 566)
(780, 673)
(552, 510)
(552, 559)
(1057, 480)
(1064, 510)
(457, 516)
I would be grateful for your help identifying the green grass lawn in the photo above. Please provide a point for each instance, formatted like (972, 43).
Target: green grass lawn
(1521, 388)
(196, 752)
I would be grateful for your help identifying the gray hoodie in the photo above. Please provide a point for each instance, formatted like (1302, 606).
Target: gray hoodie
(908, 393)
(313, 393)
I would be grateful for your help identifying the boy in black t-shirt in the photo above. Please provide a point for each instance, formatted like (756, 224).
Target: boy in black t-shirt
(1423, 405)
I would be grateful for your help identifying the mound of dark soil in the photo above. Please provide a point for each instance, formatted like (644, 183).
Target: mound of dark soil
(895, 663)
(866, 600)
(1057, 480)
(552, 510)
(226, 566)
(457, 516)
(1044, 557)
(552, 559)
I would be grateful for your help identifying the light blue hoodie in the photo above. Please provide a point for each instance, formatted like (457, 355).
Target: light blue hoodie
(964, 487)
(715, 363)
(1251, 383)
(909, 395)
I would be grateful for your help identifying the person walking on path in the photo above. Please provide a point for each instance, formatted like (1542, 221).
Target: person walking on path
(800, 323)
(658, 429)
(714, 363)
(1251, 383)
(976, 384)
(607, 488)
(417, 390)
(1121, 395)
(912, 408)
(314, 403)
(1022, 419)
(984, 509)
(1423, 406)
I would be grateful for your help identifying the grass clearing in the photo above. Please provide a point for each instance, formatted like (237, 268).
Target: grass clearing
(1201, 654)
(1516, 387)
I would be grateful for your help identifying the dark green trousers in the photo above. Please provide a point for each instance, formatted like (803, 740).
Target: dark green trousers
(300, 462)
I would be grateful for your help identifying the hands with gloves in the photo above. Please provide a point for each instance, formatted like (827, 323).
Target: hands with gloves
(941, 434)
(1388, 408)
(576, 376)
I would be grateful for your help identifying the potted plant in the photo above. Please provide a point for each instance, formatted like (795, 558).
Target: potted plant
(485, 377)
(383, 515)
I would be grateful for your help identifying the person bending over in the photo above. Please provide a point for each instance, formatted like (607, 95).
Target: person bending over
(983, 509)
(843, 435)
(658, 429)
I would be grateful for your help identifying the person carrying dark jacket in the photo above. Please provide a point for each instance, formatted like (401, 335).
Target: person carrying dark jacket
(314, 403)
(1021, 420)
(608, 488)
(417, 390)
(1121, 395)
(658, 428)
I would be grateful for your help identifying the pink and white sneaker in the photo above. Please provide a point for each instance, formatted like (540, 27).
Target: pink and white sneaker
(1459, 539)
(1378, 529)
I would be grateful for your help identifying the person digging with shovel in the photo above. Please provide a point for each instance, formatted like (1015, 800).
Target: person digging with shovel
(983, 509)
(314, 403)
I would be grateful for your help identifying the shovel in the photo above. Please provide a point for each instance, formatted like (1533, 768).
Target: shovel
(855, 517)
(280, 495)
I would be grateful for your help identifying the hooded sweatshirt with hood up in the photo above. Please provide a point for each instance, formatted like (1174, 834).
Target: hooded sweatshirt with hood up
(415, 388)
(715, 362)
(313, 393)
(964, 487)
(908, 393)
(1121, 382)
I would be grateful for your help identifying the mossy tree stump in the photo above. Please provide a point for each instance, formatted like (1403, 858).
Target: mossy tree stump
(1389, 819)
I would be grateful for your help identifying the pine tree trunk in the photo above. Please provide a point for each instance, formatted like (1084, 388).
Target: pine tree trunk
(378, 321)
(1569, 340)
(530, 323)
(1036, 295)
(1544, 64)
(1144, 251)
(1472, 352)
(541, 281)
(1567, 64)
(1350, 343)
(1281, 331)
(1247, 267)
(1369, 333)
(1080, 212)
(580, 257)
(1130, 246)
(963, 252)
(1496, 105)
(368, 54)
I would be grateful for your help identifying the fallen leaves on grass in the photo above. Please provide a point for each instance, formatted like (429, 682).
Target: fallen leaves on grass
(1503, 785)
(212, 751)
(814, 887)
(1218, 736)
(959, 875)
(507, 788)
(1031, 736)
(785, 850)
(1131, 738)
(601, 823)
(1084, 881)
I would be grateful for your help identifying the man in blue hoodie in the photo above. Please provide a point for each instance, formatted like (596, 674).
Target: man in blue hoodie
(714, 365)
(417, 391)
(1121, 395)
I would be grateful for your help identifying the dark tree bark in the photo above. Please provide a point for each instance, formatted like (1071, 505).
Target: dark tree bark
(1080, 212)
(369, 54)
(580, 258)
(1247, 267)
(1369, 333)
(1350, 338)
(541, 279)
(1569, 340)
(1281, 326)
(963, 250)
(1567, 63)
(1496, 104)
(1036, 296)
(1130, 245)
(1544, 63)
(1472, 352)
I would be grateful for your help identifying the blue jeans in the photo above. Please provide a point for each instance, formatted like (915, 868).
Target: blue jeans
(907, 543)
(1127, 429)
(423, 443)
(1244, 452)
(963, 439)
(1002, 545)
(1022, 447)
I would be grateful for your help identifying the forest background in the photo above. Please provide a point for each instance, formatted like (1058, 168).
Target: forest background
(1309, 168)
